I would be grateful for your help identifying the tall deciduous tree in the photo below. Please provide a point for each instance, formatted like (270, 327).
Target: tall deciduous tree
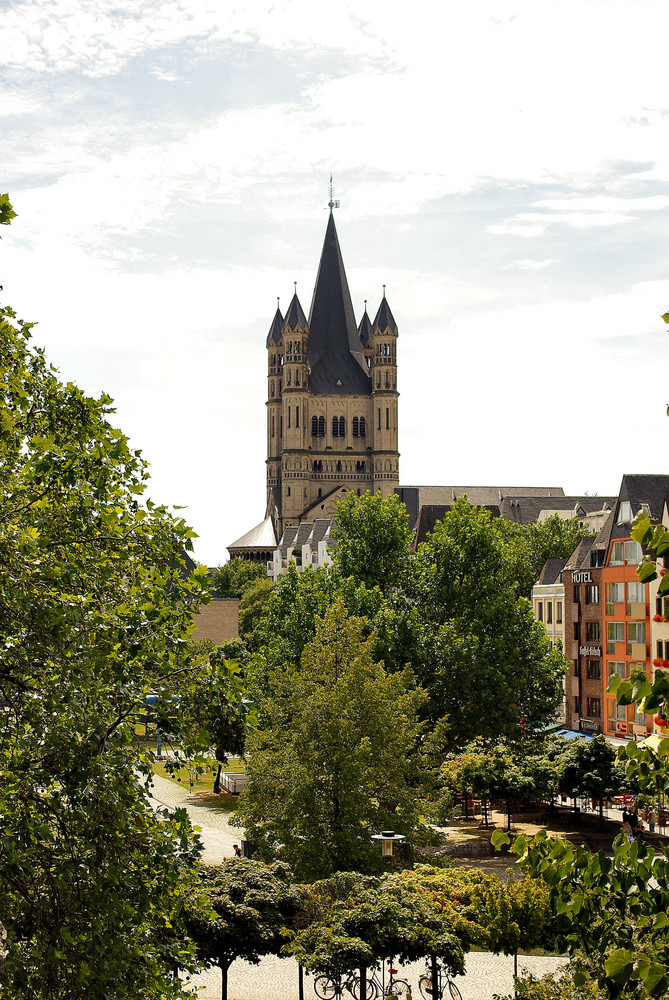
(96, 606)
(335, 755)
(235, 577)
(373, 538)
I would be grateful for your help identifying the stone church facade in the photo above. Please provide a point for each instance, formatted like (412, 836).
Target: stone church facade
(331, 400)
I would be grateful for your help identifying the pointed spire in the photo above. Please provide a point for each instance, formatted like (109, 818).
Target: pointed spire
(384, 319)
(295, 316)
(365, 328)
(335, 356)
(274, 335)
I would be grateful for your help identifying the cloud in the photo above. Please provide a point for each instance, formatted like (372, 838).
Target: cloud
(531, 265)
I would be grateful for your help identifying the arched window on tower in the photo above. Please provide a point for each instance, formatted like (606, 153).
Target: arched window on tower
(387, 419)
(386, 349)
(342, 427)
(355, 427)
(338, 466)
(314, 426)
(335, 427)
(321, 426)
(362, 427)
(297, 416)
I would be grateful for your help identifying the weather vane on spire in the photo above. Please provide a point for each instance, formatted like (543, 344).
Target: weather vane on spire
(332, 203)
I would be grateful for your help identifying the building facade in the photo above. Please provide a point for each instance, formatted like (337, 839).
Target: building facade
(331, 399)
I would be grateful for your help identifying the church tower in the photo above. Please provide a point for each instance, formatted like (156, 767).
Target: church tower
(331, 399)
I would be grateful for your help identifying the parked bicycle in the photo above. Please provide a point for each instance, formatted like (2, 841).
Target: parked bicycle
(443, 980)
(328, 988)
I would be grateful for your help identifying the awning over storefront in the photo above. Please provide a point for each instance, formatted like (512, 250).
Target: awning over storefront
(574, 734)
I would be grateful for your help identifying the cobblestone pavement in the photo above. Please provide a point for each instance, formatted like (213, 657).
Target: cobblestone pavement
(217, 835)
(276, 978)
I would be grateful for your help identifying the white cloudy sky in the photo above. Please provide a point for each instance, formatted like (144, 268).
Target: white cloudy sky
(503, 167)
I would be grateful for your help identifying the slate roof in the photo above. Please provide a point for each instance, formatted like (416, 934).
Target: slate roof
(384, 318)
(526, 509)
(337, 364)
(295, 316)
(365, 330)
(274, 335)
(415, 497)
(638, 490)
(550, 571)
(580, 557)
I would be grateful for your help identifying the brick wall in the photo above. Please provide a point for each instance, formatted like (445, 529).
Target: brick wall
(218, 620)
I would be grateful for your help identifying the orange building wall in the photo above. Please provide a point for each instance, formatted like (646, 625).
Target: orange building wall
(624, 574)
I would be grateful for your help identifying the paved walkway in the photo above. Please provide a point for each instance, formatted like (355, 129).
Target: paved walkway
(276, 978)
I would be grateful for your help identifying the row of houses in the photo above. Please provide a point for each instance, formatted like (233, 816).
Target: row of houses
(606, 620)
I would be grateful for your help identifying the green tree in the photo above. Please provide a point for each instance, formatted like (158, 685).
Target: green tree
(589, 768)
(95, 611)
(250, 912)
(235, 577)
(251, 608)
(373, 539)
(485, 662)
(360, 921)
(335, 757)
(532, 544)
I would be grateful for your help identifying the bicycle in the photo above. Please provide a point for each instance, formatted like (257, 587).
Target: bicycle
(393, 988)
(425, 986)
(327, 987)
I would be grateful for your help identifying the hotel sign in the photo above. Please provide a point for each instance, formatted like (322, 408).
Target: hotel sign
(590, 650)
(585, 577)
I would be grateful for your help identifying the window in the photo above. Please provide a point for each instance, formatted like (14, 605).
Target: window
(338, 466)
(577, 630)
(636, 635)
(379, 414)
(660, 654)
(335, 427)
(297, 416)
(593, 632)
(577, 595)
(318, 465)
(359, 466)
(314, 426)
(362, 427)
(615, 632)
(617, 554)
(342, 427)
(281, 426)
(615, 594)
(540, 611)
(633, 553)
(593, 670)
(558, 612)
(594, 707)
(592, 593)
(354, 427)
(321, 426)
(272, 425)
(288, 491)
(624, 513)
(549, 612)
(289, 416)
(387, 419)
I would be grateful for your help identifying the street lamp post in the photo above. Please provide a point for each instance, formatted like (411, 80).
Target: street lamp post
(388, 839)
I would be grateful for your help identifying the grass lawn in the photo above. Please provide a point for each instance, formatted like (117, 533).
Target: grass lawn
(203, 783)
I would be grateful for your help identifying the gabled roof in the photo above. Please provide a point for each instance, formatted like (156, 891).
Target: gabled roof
(274, 335)
(295, 316)
(550, 571)
(335, 356)
(580, 557)
(384, 318)
(365, 330)
(526, 509)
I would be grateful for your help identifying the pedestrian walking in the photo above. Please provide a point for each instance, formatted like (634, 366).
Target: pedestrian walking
(652, 819)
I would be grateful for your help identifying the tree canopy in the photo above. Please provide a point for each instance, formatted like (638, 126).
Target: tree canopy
(96, 607)
(335, 757)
